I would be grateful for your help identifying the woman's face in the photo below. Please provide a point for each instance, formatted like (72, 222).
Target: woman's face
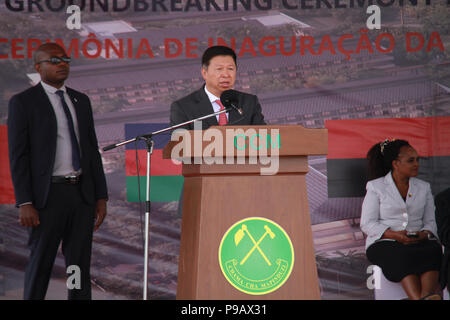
(407, 162)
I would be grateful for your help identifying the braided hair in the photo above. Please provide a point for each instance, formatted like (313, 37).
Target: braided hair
(381, 155)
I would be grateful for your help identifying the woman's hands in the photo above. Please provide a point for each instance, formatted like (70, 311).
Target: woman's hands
(401, 236)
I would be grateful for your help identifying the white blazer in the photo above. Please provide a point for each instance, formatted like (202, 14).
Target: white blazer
(383, 207)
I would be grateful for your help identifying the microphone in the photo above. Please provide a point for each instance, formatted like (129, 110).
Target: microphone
(229, 99)
(111, 146)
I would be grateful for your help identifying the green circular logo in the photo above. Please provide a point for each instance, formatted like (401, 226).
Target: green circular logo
(256, 255)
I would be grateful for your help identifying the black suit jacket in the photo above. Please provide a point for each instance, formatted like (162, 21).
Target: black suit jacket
(442, 201)
(197, 104)
(32, 133)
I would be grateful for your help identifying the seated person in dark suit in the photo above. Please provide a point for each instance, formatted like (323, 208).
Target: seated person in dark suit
(442, 201)
(219, 72)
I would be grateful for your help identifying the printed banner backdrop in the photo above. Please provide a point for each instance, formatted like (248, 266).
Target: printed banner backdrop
(319, 64)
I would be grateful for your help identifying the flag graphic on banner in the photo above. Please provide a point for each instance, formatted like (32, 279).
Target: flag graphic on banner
(166, 181)
(350, 140)
(6, 186)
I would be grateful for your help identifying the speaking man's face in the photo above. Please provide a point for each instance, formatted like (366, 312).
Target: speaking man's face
(220, 75)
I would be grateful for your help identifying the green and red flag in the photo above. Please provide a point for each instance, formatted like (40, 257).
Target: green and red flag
(166, 181)
(350, 140)
(6, 186)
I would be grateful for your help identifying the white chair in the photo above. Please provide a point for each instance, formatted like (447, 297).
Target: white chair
(387, 290)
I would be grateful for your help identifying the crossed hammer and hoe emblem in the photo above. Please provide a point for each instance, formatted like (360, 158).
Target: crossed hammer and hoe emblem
(240, 234)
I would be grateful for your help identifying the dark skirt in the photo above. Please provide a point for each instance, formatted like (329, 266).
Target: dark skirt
(398, 260)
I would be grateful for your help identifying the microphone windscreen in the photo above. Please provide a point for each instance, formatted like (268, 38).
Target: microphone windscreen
(228, 97)
(111, 146)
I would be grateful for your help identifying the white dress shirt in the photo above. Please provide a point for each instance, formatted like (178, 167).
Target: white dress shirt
(63, 156)
(216, 106)
(384, 208)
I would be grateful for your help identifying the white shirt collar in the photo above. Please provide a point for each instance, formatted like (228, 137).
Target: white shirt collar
(212, 98)
(50, 89)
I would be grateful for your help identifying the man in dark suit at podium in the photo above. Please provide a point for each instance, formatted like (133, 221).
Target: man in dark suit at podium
(219, 72)
(219, 69)
(57, 172)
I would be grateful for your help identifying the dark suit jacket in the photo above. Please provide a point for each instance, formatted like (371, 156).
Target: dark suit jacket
(442, 201)
(32, 133)
(197, 104)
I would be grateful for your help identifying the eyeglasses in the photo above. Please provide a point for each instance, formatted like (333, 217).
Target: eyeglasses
(57, 60)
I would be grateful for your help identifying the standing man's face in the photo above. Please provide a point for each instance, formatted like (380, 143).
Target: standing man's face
(220, 75)
(52, 74)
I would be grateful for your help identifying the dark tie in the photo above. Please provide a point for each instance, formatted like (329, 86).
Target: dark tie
(73, 137)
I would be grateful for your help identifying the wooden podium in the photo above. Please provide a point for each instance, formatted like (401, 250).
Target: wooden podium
(216, 196)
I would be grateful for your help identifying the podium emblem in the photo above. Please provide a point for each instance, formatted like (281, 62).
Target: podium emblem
(256, 255)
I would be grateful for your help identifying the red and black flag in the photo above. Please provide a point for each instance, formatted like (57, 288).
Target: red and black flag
(6, 186)
(350, 140)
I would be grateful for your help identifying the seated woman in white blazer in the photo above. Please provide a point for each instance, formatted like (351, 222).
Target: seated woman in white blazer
(398, 219)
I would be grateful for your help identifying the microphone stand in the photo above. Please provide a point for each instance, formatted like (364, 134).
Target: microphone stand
(148, 138)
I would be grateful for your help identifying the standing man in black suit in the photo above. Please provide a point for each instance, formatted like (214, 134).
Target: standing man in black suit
(219, 72)
(442, 202)
(57, 172)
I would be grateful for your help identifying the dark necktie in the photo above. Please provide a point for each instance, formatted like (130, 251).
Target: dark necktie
(73, 137)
